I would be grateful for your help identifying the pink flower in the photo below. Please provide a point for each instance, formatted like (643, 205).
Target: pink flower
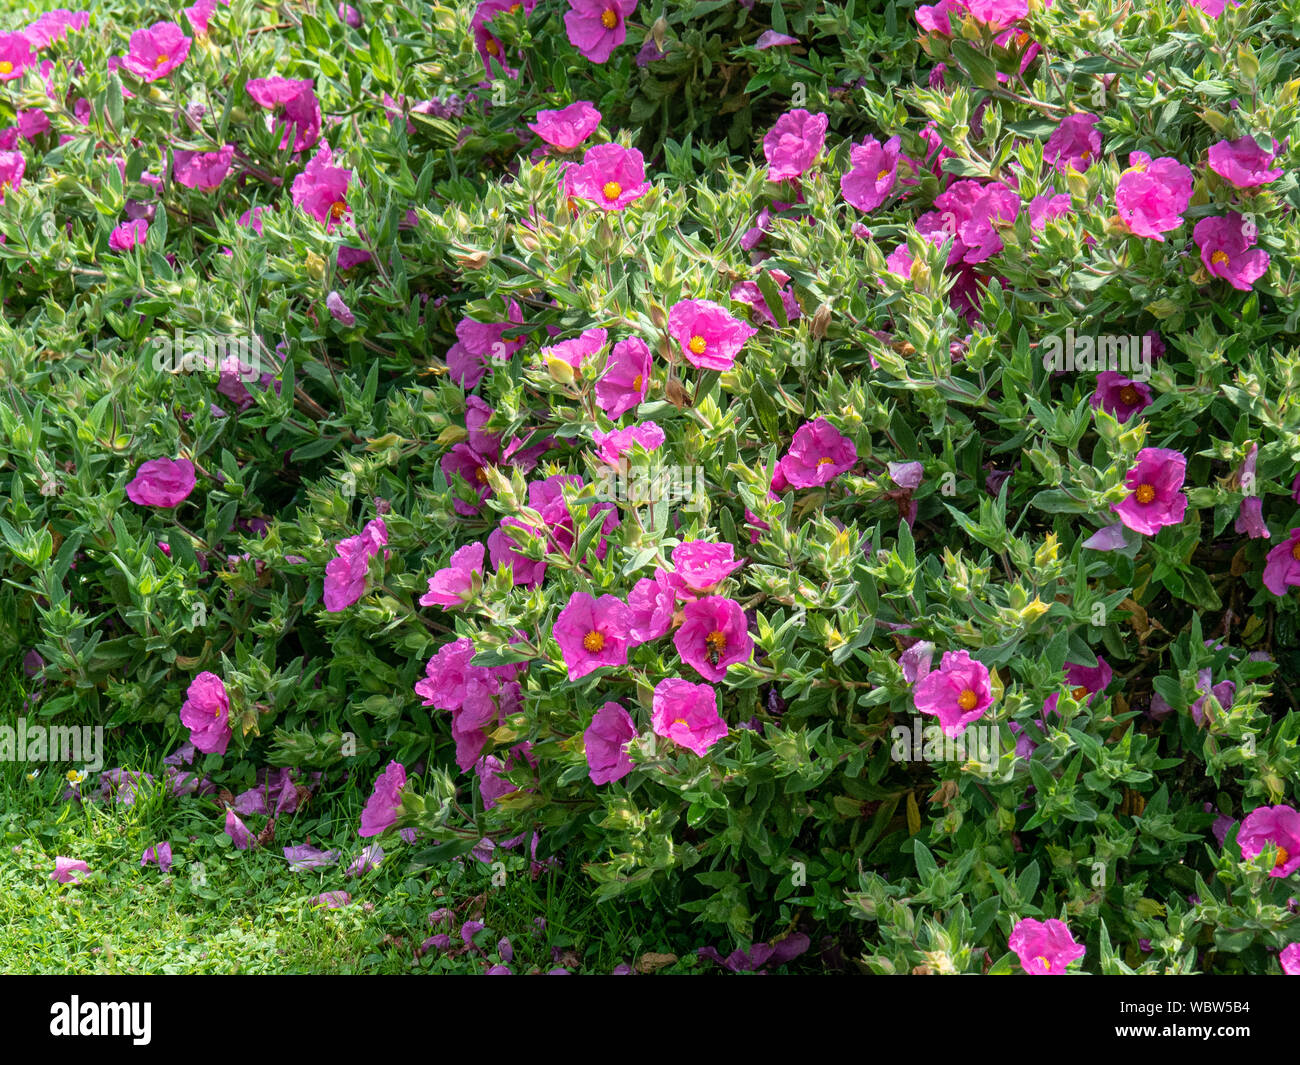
(699, 566)
(687, 714)
(1085, 680)
(1045, 208)
(31, 124)
(1282, 565)
(339, 310)
(65, 870)
(206, 713)
(818, 454)
(15, 56)
(1290, 959)
(995, 208)
(626, 379)
(713, 635)
(1074, 144)
(294, 105)
(128, 235)
(1155, 500)
(610, 176)
(1278, 825)
(346, 575)
(162, 483)
(160, 854)
(576, 351)
(53, 26)
(872, 173)
(200, 13)
(1227, 252)
(503, 552)
(1152, 194)
(385, 801)
(596, 28)
(203, 170)
(238, 831)
(12, 165)
(749, 293)
(1250, 518)
(487, 339)
(958, 692)
(488, 44)
(157, 51)
(349, 14)
(1242, 163)
(772, 39)
(935, 18)
(567, 128)
(998, 13)
(1214, 8)
(709, 337)
(462, 460)
(456, 585)
(652, 602)
(606, 741)
(1045, 948)
(321, 189)
(1120, 396)
(793, 143)
(593, 633)
(612, 446)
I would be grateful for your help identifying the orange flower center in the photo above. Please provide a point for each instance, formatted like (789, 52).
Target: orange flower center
(1283, 856)
(716, 641)
(1022, 39)
(492, 48)
(882, 175)
(338, 210)
(1219, 258)
(967, 699)
(480, 475)
(697, 345)
(160, 60)
(609, 19)
(594, 641)
(1046, 964)
(825, 461)
(6, 67)
(515, 8)
(680, 721)
(1128, 395)
(1295, 551)
(1086, 154)
(637, 382)
(1145, 493)
(1080, 693)
(612, 190)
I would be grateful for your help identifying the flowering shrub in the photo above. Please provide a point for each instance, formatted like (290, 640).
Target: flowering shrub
(828, 472)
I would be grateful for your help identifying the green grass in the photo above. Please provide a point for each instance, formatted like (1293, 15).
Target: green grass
(248, 913)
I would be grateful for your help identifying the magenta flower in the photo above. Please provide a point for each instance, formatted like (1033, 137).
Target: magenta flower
(1152, 194)
(156, 51)
(610, 176)
(953, 210)
(1043, 209)
(1155, 498)
(203, 170)
(503, 552)
(238, 831)
(699, 566)
(567, 128)
(793, 143)
(1278, 825)
(1045, 948)
(488, 44)
(652, 602)
(606, 742)
(1242, 163)
(458, 583)
(385, 801)
(1222, 692)
(66, 870)
(1290, 959)
(1250, 518)
(128, 235)
(1227, 252)
(1085, 681)
(339, 310)
(488, 339)
(15, 56)
(463, 461)
(713, 635)
(936, 18)
(749, 293)
(206, 713)
(576, 351)
(709, 337)
(53, 26)
(1074, 144)
(304, 856)
(995, 208)
(162, 483)
(293, 104)
(872, 173)
(160, 854)
(958, 692)
(626, 379)
(346, 575)
(321, 189)
(349, 14)
(818, 454)
(612, 446)
(593, 633)
(1119, 395)
(687, 714)
(1282, 565)
(12, 165)
(595, 27)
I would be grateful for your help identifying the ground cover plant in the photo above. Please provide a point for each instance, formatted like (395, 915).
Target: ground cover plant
(688, 486)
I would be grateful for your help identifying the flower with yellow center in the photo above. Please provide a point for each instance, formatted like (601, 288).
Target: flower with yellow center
(480, 475)
(609, 18)
(716, 642)
(637, 382)
(74, 777)
(612, 190)
(162, 58)
(826, 461)
(1080, 693)
(1219, 258)
(967, 699)
(1145, 493)
(882, 175)
(6, 67)
(594, 642)
(491, 47)
(338, 209)
(697, 345)
(1283, 856)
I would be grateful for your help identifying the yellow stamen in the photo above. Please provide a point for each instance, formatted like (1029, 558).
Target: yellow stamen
(1295, 551)
(825, 461)
(1145, 493)
(637, 382)
(1080, 693)
(609, 19)
(338, 210)
(1046, 964)
(492, 48)
(160, 60)
(6, 67)
(1219, 258)
(612, 190)
(480, 475)
(967, 699)
(716, 641)
(697, 345)
(882, 175)
(1283, 856)
(594, 642)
